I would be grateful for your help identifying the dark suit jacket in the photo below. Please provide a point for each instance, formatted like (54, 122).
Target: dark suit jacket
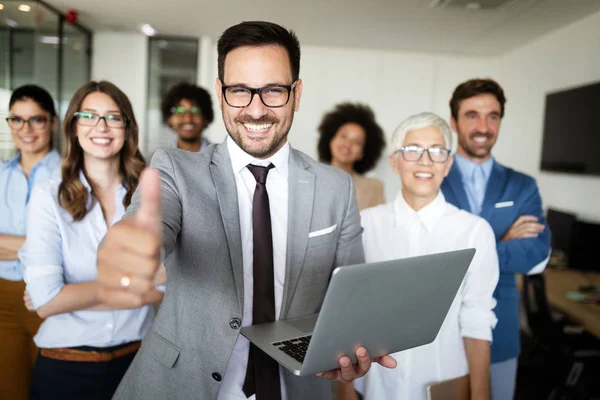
(187, 350)
(515, 256)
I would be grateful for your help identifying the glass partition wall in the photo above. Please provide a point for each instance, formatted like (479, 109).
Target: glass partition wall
(171, 60)
(38, 45)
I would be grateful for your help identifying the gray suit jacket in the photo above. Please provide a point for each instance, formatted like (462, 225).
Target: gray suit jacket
(187, 350)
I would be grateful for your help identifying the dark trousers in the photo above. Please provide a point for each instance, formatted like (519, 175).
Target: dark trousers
(72, 380)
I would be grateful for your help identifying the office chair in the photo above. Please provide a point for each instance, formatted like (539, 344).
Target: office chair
(567, 352)
(546, 327)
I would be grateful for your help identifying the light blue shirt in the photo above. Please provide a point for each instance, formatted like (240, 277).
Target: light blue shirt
(15, 190)
(59, 251)
(475, 178)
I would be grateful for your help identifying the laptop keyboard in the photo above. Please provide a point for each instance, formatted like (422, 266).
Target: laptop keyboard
(295, 348)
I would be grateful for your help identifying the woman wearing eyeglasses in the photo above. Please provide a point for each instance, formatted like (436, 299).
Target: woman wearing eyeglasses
(31, 119)
(419, 222)
(351, 139)
(85, 346)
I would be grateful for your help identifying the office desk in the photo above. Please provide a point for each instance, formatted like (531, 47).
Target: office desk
(559, 282)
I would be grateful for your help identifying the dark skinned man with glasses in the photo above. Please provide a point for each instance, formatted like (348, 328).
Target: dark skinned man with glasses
(188, 110)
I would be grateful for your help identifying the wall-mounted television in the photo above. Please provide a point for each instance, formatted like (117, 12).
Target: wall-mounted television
(572, 131)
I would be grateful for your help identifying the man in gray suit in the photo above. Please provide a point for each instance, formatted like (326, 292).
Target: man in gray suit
(229, 264)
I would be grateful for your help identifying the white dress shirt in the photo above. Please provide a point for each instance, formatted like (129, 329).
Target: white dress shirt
(277, 188)
(395, 230)
(59, 251)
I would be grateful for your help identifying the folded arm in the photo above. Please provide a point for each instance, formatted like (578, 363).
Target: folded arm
(520, 253)
(9, 246)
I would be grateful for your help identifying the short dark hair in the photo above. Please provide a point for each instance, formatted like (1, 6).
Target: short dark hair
(258, 33)
(474, 87)
(40, 96)
(35, 93)
(187, 91)
(352, 113)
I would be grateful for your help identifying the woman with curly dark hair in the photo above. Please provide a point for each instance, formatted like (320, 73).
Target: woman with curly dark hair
(85, 345)
(351, 139)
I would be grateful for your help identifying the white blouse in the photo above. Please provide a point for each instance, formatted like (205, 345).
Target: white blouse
(60, 251)
(395, 230)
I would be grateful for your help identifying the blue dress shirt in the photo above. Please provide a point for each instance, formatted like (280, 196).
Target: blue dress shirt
(475, 178)
(59, 251)
(15, 190)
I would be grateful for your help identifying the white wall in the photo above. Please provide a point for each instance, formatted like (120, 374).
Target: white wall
(397, 84)
(394, 84)
(122, 58)
(565, 58)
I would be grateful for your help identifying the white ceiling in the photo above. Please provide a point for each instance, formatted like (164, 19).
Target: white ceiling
(409, 25)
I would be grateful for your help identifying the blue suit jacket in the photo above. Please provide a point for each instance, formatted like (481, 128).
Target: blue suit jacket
(505, 185)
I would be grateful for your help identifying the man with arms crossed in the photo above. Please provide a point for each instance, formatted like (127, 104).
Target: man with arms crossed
(241, 249)
(509, 201)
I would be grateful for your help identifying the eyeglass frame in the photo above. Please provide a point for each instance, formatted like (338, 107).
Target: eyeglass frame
(258, 91)
(173, 111)
(103, 117)
(28, 121)
(401, 149)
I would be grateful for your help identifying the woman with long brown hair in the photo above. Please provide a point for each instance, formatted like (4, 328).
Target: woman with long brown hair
(85, 346)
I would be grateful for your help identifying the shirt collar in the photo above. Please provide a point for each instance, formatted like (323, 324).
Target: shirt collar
(467, 167)
(427, 216)
(49, 159)
(12, 163)
(240, 159)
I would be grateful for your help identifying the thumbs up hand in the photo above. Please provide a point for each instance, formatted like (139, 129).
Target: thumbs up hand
(148, 216)
(129, 255)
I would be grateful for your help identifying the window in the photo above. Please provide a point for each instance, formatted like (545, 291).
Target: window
(39, 47)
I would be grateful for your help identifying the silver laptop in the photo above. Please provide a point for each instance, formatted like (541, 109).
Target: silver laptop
(385, 306)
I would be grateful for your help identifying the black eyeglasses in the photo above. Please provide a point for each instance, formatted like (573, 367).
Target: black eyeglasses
(85, 118)
(414, 153)
(273, 96)
(37, 122)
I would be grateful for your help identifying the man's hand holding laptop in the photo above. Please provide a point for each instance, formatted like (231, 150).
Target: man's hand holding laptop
(348, 372)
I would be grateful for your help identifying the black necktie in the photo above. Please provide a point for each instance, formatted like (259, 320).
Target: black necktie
(262, 374)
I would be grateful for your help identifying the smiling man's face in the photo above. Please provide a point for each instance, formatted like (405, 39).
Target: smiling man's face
(477, 126)
(259, 130)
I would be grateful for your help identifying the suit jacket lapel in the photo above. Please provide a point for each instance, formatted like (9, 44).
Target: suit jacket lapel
(494, 189)
(301, 189)
(455, 184)
(227, 197)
